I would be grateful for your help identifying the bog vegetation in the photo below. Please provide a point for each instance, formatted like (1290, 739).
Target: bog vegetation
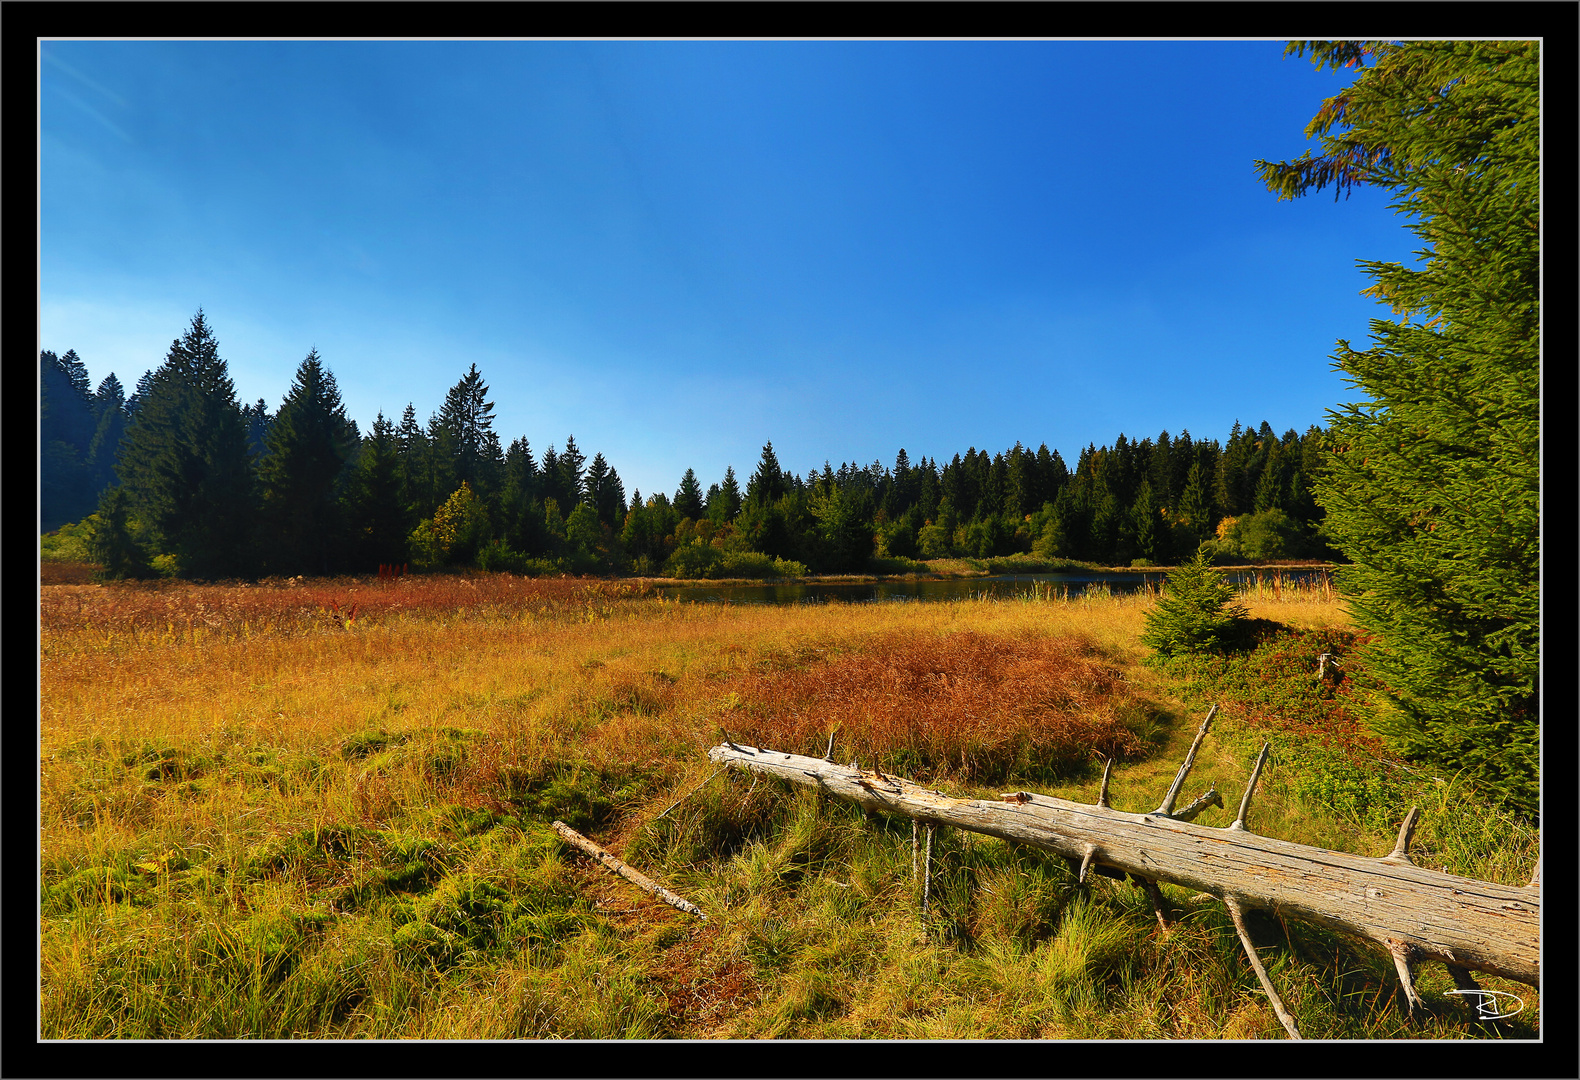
(321, 808)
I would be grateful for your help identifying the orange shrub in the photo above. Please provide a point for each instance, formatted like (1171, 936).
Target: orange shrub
(966, 705)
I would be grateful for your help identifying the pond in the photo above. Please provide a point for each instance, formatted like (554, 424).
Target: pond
(1007, 585)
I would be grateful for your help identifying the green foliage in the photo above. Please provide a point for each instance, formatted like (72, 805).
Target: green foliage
(113, 544)
(699, 560)
(1194, 614)
(845, 528)
(72, 542)
(454, 534)
(379, 514)
(305, 455)
(1271, 534)
(1432, 484)
(582, 530)
(185, 464)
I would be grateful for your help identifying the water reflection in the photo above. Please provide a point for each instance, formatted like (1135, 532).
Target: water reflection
(1005, 586)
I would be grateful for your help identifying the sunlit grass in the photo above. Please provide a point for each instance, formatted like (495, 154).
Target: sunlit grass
(282, 824)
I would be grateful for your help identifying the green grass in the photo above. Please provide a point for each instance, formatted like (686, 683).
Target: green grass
(338, 832)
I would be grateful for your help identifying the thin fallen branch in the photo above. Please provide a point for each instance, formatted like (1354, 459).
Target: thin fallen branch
(635, 877)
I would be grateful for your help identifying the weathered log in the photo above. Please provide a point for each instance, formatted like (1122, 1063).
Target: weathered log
(633, 876)
(1412, 912)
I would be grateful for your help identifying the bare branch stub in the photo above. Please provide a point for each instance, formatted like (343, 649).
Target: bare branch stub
(1210, 797)
(1235, 913)
(1403, 959)
(1167, 806)
(1102, 794)
(1401, 847)
(1250, 786)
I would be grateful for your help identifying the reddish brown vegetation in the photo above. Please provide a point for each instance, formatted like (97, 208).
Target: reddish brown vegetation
(297, 604)
(969, 706)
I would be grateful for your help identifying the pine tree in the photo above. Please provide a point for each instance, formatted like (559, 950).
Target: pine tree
(688, 499)
(603, 491)
(727, 505)
(114, 547)
(1195, 612)
(380, 519)
(467, 417)
(1431, 486)
(184, 460)
(109, 403)
(766, 485)
(572, 468)
(1150, 540)
(304, 461)
(1195, 508)
(551, 479)
(67, 491)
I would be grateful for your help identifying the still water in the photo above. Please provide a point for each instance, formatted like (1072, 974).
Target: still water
(1009, 585)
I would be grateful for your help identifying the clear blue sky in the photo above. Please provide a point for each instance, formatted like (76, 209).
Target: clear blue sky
(676, 251)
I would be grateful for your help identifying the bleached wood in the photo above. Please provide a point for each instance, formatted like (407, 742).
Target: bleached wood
(1237, 914)
(633, 876)
(1475, 925)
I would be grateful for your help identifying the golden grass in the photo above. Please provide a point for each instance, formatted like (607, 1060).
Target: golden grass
(276, 782)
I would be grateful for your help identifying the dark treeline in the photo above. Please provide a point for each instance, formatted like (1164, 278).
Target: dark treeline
(180, 478)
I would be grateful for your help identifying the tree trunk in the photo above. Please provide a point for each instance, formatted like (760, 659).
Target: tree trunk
(1412, 912)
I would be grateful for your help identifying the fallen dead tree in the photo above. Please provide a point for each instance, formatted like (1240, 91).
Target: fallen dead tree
(1414, 913)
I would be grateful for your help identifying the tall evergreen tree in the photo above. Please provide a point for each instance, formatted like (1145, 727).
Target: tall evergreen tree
(380, 520)
(600, 491)
(688, 498)
(304, 461)
(257, 418)
(1195, 508)
(109, 403)
(1432, 484)
(67, 423)
(767, 484)
(184, 460)
(572, 466)
(551, 479)
(467, 417)
(727, 505)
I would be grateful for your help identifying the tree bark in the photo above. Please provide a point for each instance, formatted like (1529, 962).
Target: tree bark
(1410, 911)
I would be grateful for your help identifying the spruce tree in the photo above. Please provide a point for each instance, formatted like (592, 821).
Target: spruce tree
(109, 403)
(572, 468)
(727, 504)
(1431, 482)
(114, 548)
(467, 417)
(305, 456)
(767, 484)
(184, 460)
(603, 491)
(688, 499)
(1196, 612)
(380, 522)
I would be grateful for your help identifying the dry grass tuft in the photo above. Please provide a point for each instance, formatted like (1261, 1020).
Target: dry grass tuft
(969, 706)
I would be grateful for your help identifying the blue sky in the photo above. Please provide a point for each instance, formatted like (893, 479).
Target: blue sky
(676, 251)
